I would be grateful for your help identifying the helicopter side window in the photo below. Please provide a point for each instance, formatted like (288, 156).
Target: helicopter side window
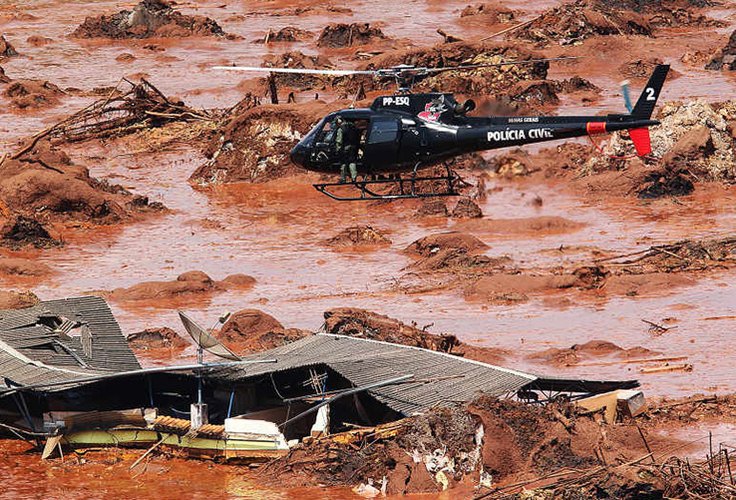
(383, 130)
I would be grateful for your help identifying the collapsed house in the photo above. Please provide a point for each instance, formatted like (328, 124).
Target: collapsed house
(69, 375)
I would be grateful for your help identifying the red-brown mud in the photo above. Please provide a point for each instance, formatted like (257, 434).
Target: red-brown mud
(149, 18)
(252, 330)
(156, 338)
(568, 206)
(29, 94)
(185, 285)
(357, 237)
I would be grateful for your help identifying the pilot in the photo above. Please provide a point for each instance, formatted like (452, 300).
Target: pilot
(347, 139)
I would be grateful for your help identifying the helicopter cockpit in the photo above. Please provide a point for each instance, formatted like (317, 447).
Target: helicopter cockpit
(319, 149)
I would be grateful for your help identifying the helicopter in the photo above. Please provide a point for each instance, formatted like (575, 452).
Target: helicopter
(405, 132)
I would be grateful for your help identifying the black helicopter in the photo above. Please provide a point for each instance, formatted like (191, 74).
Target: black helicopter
(404, 133)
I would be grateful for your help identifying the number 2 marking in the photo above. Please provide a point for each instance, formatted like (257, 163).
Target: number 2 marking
(650, 94)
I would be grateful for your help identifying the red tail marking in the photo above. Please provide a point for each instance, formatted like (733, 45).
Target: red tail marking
(595, 128)
(642, 141)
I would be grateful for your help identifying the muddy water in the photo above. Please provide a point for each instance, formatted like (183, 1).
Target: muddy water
(103, 475)
(274, 232)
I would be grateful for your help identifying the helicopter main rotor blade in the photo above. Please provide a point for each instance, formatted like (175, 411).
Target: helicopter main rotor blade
(492, 65)
(303, 71)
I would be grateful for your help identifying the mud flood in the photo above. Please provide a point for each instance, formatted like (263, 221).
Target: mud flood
(275, 231)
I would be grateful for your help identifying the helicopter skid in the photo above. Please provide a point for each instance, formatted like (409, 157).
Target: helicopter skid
(404, 188)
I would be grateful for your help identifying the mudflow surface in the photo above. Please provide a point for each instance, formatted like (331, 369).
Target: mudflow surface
(557, 259)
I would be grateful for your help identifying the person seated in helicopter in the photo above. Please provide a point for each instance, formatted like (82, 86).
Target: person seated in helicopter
(347, 140)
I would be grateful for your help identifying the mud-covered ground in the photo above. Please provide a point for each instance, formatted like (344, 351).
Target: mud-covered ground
(546, 281)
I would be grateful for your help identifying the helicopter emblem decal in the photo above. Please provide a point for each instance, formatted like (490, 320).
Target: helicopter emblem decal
(433, 109)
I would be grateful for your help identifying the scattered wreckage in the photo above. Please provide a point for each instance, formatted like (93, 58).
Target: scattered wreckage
(70, 379)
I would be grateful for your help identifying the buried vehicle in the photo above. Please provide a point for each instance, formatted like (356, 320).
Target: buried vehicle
(405, 132)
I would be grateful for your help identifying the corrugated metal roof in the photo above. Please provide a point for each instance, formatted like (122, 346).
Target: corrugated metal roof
(441, 378)
(32, 352)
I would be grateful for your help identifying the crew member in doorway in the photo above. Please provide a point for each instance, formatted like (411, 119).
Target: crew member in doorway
(347, 138)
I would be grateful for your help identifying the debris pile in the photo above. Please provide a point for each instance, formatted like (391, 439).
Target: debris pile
(682, 256)
(251, 330)
(192, 283)
(254, 146)
(358, 236)
(150, 18)
(726, 57)
(317, 10)
(694, 142)
(23, 231)
(483, 443)
(452, 254)
(298, 60)
(17, 300)
(643, 68)
(156, 338)
(3, 77)
(6, 49)
(491, 14)
(366, 324)
(348, 35)
(287, 34)
(573, 22)
(139, 107)
(483, 81)
(32, 94)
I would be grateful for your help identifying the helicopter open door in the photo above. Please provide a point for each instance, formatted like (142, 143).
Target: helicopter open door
(382, 143)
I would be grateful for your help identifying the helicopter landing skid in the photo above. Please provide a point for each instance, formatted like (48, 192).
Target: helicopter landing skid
(404, 188)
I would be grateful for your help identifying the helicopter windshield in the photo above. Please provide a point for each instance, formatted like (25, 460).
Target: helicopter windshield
(318, 131)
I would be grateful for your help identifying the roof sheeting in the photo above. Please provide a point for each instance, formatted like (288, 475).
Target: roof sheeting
(439, 378)
(32, 352)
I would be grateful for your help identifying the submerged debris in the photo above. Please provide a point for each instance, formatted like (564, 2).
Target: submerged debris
(466, 209)
(726, 57)
(287, 34)
(17, 300)
(33, 94)
(152, 338)
(3, 77)
(358, 236)
(682, 256)
(191, 283)
(150, 18)
(347, 35)
(490, 13)
(6, 49)
(26, 231)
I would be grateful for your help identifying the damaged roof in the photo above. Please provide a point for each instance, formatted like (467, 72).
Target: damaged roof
(441, 378)
(59, 340)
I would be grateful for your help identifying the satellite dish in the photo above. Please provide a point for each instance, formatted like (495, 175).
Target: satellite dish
(205, 341)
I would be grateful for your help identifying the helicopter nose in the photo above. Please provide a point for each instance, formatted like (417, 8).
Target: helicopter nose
(299, 154)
